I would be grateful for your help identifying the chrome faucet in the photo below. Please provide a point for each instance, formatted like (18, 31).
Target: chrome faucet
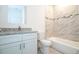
(19, 28)
(0, 29)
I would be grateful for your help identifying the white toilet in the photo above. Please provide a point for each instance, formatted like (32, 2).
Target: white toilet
(45, 44)
(45, 47)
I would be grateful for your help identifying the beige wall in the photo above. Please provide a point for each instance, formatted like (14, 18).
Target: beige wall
(36, 19)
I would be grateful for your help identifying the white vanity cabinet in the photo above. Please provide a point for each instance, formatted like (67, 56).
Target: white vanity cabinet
(30, 43)
(25, 43)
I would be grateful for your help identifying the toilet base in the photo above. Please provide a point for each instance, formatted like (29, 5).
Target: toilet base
(45, 47)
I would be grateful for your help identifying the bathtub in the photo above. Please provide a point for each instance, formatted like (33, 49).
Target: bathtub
(65, 46)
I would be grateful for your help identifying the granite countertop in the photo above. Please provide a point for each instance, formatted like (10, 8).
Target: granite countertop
(12, 31)
(15, 32)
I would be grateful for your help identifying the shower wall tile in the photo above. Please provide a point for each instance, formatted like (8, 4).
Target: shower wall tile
(67, 28)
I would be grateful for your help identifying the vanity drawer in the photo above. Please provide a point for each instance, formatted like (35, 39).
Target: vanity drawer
(9, 39)
(29, 36)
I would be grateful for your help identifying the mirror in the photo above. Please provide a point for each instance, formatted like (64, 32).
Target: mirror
(16, 14)
(12, 15)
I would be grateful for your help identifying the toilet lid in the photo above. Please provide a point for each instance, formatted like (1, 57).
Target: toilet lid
(45, 42)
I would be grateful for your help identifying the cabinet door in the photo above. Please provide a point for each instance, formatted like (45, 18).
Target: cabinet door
(30, 46)
(14, 48)
(30, 43)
